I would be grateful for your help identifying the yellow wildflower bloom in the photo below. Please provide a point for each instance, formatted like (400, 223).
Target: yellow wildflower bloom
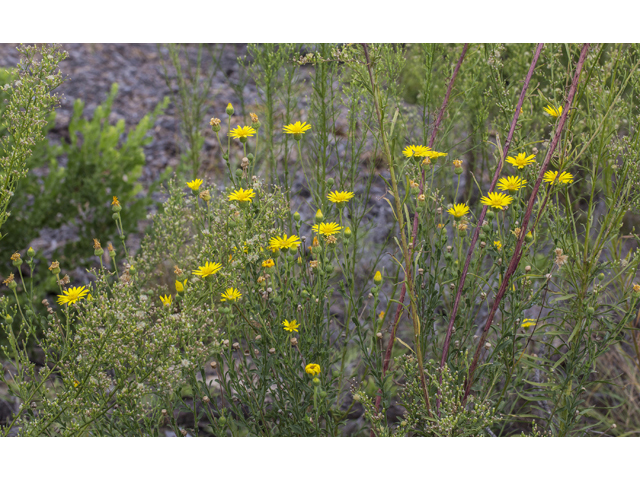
(268, 263)
(180, 286)
(458, 210)
(242, 195)
(340, 197)
(416, 151)
(195, 184)
(512, 184)
(564, 177)
(115, 201)
(242, 132)
(209, 268)
(327, 229)
(166, 300)
(231, 294)
(296, 128)
(312, 369)
(553, 111)
(72, 295)
(528, 322)
(496, 200)
(521, 160)
(434, 155)
(291, 326)
(498, 245)
(377, 278)
(276, 243)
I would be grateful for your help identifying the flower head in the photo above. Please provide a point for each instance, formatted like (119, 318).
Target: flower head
(312, 369)
(115, 201)
(242, 195)
(327, 229)
(340, 197)
(521, 160)
(433, 154)
(296, 128)
(207, 269)
(458, 210)
(636, 288)
(180, 286)
(231, 294)
(528, 322)
(496, 200)
(242, 132)
(377, 278)
(195, 184)
(553, 111)
(276, 243)
(291, 326)
(512, 184)
(498, 245)
(268, 263)
(564, 177)
(72, 295)
(415, 151)
(166, 300)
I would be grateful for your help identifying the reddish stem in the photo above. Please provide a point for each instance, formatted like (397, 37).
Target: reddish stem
(476, 233)
(403, 291)
(517, 254)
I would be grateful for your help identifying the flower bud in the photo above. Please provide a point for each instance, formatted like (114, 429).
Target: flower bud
(490, 214)
(330, 182)
(347, 232)
(458, 170)
(319, 216)
(377, 278)
(316, 381)
(31, 252)
(229, 109)
(296, 217)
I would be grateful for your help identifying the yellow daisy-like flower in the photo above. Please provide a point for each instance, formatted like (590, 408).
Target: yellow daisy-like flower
(115, 201)
(166, 300)
(636, 288)
(231, 294)
(242, 195)
(180, 286)
(434, 155)
(498, 245)
(553, 111)
(327, 229)
(416, 151)
(312, 369)
(291, 326)
(340, 197)
(528, 322)
(242, 132)
(496, 200)
(564, 177)
(268, 263)
(72, 295)
(521, 160)
(195, 184)
(512, 184)
(276, 243)
(296, 128)
(458, 210)
(209, 268)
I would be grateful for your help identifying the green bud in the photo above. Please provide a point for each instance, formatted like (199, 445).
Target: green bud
(328, 268)
(12, 285)
(601, 277)
(132, 269)
(112, 253)
(490, 214)
(122, 237)
(590, 311)
(222, 420)
(347, 232)
(250, 156)
(462, 233)
(323, 394)
(319, 216)
(296, 217)
(457, 170)
(116, 208)
(529, 237)
(225, 156)
(31, 252)
(330, 182)
(486, 228)
(8, 319)
(448, 257)
(239, 173)
(229, 109)
(482, 236)
(316, 381)
(115, 216)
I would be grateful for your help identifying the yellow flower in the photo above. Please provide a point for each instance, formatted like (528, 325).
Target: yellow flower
(416, 151)
(72, 295)
(242, 132)
(268, 263)
(458, 210)
(209, 268)
(195, 184)
(498, 245)
(231, 294)
(115, 201)
(242, 195)
(276, 243)
(296, 128)
(528, 322)
(340, 197)
(521, 160)
(553, 111)
(291, 326)
(377, 278)
(312, 369)
(636, 288)
(180, 286)
(433, 154)
(496, 200)
(327, 229)
(512, 184)
(166, 300)
(564, 177)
